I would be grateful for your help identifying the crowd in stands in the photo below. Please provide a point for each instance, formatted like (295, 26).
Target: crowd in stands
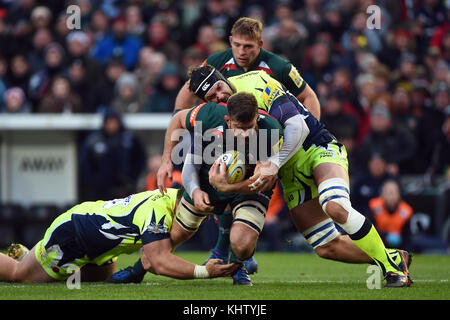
(384, 93)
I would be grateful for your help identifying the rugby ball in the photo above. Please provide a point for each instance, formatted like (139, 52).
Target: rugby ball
(235, 162)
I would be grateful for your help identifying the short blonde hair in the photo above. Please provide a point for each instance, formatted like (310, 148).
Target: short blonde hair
(248, 27)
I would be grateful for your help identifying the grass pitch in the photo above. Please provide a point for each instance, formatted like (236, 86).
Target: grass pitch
(281, 276)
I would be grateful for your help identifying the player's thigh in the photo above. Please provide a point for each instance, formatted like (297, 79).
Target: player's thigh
(94, 273)
(30, 270)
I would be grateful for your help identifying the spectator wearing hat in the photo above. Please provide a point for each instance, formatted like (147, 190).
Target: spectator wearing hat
(396, 143)
(111, 160)
(15, 101)
(78, 45)
(166, 90)
(129, 96)
(118, 43)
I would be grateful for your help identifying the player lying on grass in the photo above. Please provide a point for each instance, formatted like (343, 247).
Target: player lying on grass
(92, 235)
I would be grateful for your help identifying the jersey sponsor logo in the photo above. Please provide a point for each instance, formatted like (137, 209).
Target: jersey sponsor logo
(270, 93)
(276, 148)
(295, 76)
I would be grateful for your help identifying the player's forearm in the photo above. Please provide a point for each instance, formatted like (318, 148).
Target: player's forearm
(190, 174)
(185, 98)
(295, 133)
(172, 266)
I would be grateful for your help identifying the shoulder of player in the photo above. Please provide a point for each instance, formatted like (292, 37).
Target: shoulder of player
(266, 121)
(277, 64)
(207, 111)
(218, 59)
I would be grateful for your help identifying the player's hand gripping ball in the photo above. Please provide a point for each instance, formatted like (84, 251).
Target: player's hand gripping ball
(235, 162)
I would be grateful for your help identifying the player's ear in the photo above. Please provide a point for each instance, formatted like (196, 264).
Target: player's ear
(227, 119)
(230, 38)
(260, 43)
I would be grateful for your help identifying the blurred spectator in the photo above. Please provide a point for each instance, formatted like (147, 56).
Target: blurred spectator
(60, 98)
(3, 78)
(81, 84)
(41, 40)
(214, 13)
(440, 160)
(103, 92)
(192, 57)
(166, 90)
(158, 38)
(19, 75)
(397, 144)
(153, 164)
(15, 101)
(54, 64)
(149, 68)
(359, 33)
(429, 128)
(78, 46)
(367, 183)
(118, 43)
(135, 24)
(342, 125)
(208, 42)
(366, 91)
(41, 17)
(61, 29)
(288, 39)
(391, 215)
(129, 98)
(189, 12)
(99, 25)
(398, 42)
(111, 160)
(402, 109)
(318, 65)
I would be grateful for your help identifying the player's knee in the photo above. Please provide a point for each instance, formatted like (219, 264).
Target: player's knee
(243, 241)
(328, 250)
(334, 197)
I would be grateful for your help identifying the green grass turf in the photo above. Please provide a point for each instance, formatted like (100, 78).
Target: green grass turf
(281, 276)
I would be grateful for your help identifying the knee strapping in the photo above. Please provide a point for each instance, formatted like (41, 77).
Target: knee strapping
(337, 190)
(321, 233)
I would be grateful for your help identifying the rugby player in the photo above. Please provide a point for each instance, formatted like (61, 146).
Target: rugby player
(92, 235)
(314, 179)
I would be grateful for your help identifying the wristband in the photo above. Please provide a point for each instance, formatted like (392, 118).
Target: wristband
(200, 272)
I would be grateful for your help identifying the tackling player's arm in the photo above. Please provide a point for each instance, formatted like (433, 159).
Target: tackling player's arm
(158, 258)
(185, 98)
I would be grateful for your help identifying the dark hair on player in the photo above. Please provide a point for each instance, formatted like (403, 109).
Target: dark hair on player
(242, 107)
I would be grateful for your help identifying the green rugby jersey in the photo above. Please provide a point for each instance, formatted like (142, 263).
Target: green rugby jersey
(275, 66)
(213, 131)
(110, 228)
